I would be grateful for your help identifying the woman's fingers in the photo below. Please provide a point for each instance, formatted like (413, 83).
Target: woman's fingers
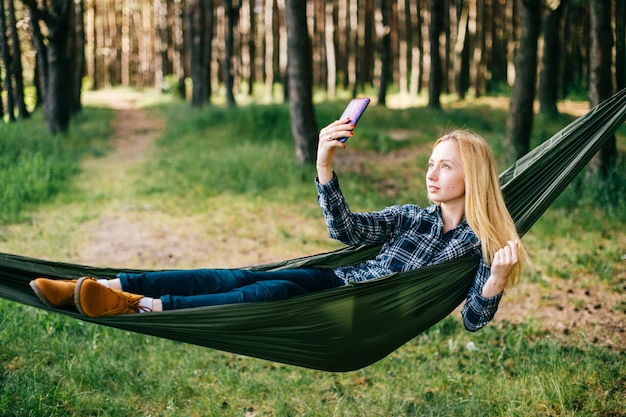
(336, 130)
(506, 257)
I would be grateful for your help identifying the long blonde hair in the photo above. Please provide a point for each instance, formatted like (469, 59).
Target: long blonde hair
(485, 210)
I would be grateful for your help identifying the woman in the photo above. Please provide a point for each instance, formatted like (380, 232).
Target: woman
(468, 217)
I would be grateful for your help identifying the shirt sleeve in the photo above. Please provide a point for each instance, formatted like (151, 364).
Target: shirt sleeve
(478, 310)
(354, 228)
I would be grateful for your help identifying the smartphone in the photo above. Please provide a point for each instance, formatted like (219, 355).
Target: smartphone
(354, 110)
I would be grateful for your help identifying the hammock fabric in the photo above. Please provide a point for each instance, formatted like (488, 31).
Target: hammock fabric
(348, 328)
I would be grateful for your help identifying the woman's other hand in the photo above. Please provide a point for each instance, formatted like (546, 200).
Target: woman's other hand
(504, 261)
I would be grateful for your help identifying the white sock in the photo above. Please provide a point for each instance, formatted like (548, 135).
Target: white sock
(145, 302)
(104, 282)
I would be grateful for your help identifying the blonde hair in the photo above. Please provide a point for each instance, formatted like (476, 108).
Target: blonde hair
(485, 210)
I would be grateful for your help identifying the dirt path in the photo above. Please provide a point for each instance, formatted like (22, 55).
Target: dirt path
(118, 238)
(128, 234)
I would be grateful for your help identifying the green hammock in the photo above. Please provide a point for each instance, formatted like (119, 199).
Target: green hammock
(348, 328)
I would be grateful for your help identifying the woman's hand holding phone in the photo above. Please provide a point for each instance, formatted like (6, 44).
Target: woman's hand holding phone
(354, 111)
(335, 135)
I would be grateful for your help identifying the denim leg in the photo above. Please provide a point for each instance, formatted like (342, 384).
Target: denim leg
(195, 288)
(184, 282)
(268, 290)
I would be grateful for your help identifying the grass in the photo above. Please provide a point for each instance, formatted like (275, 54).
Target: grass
(64, 368)
(230, 174)
(35, 165)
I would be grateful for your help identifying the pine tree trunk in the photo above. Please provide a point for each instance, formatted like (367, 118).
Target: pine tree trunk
(436, 76)
(18, 73)
(78, 61)
(196, 23)
(232, 14)
(299, 74)
(461, 50)
(385, 52)
(620, 44)
(520, 118)
(549, 76)
(331, 59)
(6, 60)
(269, 48)
(600, 80)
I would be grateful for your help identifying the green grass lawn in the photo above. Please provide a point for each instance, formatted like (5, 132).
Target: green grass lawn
(227, 177)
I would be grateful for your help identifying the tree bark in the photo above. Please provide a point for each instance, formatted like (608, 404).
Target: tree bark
(300, 78)
(520, 118)
(269, 48)
(8, 68)
(600, 77)
(232, 14)
(331, 58)
(550, 61)
(78, 56)
(620, 44)
(434, 30)
(461, 50)
(196, 24)
(56, 79)
(18, 73)
(385, 52)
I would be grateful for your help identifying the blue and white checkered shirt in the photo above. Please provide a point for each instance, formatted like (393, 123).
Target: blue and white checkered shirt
(411, 237)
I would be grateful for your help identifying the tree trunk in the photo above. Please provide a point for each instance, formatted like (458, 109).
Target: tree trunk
(461, 50)
(41, 67)
(252, 50)
(78, 67)
(417, 48)
(403, 47)
(269, 49)
(196, 24)
(620, 44)
(1, 105)
(331, 58)
(18, 73)
(6, 60)
(300, 78)
(56, 110)
(54, 53)
(209, 24)
(232, 14)
(550, 61)
(520, 118)
(600, 80)
(477, 14)
(385, 52)
(179, 47)
(434, 30)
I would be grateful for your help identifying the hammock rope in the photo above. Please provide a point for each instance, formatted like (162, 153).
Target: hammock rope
(347, 328)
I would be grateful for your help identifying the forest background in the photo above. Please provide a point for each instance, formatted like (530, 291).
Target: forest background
(291, 49)
(167, 186)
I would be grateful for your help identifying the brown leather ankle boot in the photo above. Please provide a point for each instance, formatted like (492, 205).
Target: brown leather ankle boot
(55, 293)
(95, 300)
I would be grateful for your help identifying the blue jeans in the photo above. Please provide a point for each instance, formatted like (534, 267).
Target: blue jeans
(205, 287)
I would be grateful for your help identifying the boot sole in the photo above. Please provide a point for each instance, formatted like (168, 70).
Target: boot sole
(40, 295)
(77, 295)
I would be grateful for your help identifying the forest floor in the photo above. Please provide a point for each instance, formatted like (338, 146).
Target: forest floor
(573, 314)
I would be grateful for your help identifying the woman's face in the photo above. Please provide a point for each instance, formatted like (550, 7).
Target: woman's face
(445, 179)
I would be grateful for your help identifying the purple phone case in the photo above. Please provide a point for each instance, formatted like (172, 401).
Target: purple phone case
(354, 110)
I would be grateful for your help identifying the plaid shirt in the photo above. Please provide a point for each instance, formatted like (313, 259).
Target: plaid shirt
(411, 237)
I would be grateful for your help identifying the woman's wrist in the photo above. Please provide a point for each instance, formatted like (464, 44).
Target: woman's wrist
(494, 286)
(324, 174)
